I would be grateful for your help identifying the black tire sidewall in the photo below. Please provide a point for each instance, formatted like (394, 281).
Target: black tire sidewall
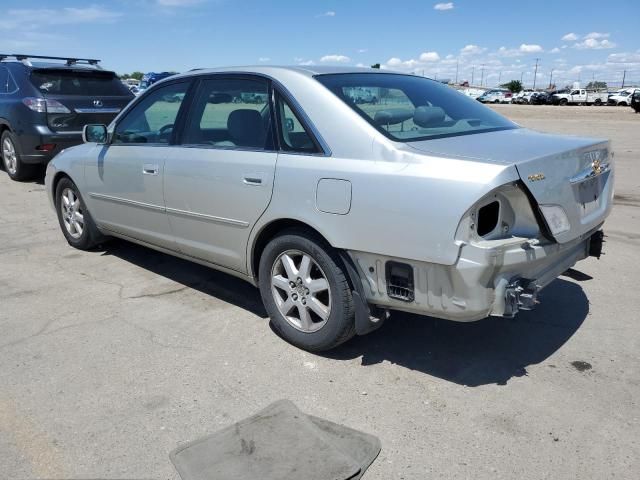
(340, 325)
(87, 239)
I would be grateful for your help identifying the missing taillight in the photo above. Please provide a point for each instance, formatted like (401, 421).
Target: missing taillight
(488, 217)
(400, 281)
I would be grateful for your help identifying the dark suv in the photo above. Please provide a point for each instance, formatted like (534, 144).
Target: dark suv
(46, 101)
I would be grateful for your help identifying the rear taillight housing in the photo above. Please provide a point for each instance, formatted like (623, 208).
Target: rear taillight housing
(42, 105)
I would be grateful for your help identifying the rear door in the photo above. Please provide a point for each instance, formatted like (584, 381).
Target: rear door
(125, 182)
(219, 182)
(78, 96)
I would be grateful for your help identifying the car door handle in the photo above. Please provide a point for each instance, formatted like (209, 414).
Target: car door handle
(252, 179)
(149, 169)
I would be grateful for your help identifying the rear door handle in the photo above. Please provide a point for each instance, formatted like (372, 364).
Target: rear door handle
(150, 169)
(252, 179)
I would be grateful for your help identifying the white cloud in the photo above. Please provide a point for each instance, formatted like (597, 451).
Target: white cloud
(443, 6)
(570, 37)
(429, 57)
(31, 19)
(329, 13)
(472, 50)
(555, 50)
(596, 35)
(625, 58)
(306, 62)
(264, 59)
(335, 59)
(362, 50)
(394, 62)
(530, 48)
(594, 44)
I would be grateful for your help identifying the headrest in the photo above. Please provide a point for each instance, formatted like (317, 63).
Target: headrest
(428, 116)
(246, 128)
(392, 116)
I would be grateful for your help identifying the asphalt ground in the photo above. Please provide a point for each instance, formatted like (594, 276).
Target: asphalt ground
(110, 359)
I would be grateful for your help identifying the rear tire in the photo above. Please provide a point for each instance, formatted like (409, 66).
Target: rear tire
(306, 292)
(563, 102)
(12, 158)
(75, 221)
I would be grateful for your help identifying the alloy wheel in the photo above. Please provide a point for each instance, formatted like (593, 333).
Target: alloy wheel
(301, 291)
(72, 214)
(9, 156)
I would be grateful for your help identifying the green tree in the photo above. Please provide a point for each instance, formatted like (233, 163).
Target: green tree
(375, 65)
(137, 75)
(514, 86)
(596, 86)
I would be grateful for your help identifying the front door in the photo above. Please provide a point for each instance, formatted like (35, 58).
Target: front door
(219, 181)
(125, 183)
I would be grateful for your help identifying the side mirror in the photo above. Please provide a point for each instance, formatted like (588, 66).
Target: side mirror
(94, 134)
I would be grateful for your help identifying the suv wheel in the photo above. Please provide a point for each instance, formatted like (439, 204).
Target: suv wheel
(13, 165)
(306, 292)
(74, 218)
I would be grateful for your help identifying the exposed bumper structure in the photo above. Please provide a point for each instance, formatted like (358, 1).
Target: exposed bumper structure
(498, 277)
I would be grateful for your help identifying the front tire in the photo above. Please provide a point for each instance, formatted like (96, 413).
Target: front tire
(305, 291)
(75, 220)
(12, 158)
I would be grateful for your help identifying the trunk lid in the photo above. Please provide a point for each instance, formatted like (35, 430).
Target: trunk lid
(85, 96)
(574, 173)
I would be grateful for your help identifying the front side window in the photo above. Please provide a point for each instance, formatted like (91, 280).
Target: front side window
(230, 113)
(294, 137)
(152, 120)
(409, 108)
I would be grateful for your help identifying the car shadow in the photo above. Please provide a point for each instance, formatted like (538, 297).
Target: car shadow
(490, 351)
(206, 280)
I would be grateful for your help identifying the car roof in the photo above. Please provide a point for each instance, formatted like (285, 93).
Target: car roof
(276, 70)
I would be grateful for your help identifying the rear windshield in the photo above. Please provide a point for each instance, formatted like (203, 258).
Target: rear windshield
(409, 108)
(70, 82)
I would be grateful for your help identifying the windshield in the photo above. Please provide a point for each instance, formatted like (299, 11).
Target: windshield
(73, 82)
(409, 108)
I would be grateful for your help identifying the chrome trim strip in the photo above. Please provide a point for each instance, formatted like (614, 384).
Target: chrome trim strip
(174, 211)
(97, 110)
(208, 218)
(590, 172)
(125, 201)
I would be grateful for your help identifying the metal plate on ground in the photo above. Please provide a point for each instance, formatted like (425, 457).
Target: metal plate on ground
(280, 442)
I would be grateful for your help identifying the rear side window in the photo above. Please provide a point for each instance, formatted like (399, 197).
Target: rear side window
(231, 113)
(294, 137)
(4, 79)
(73, 82)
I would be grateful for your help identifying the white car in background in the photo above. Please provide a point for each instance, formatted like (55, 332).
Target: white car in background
(523, 96)
(622, 97)
(496, 96)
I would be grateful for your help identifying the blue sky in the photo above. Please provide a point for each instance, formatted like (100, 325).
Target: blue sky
(489, 40)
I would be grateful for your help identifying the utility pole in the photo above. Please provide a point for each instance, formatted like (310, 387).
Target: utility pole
(551, 78)
(473, 70)
(482, 75)
(521, 75)
(624, 75)
(535, 74)
(499, 77)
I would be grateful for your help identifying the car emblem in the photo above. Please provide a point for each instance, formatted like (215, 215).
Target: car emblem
(536, 177)
(97, 103)
(596, 166)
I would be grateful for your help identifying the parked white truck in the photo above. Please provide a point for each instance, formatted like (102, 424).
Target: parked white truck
(581, 96)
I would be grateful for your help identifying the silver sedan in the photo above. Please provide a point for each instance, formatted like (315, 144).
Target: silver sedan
(342, 194)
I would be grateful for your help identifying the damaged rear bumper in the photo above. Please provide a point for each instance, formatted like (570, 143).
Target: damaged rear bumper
(498, 277)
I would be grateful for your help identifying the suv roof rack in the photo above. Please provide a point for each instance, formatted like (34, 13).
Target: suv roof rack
(69, 60)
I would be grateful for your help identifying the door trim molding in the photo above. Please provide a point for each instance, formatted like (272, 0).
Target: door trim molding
(172, 211)
(209, 218)
(126, 201)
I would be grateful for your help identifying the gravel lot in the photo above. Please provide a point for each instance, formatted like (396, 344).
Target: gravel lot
(110, 359)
